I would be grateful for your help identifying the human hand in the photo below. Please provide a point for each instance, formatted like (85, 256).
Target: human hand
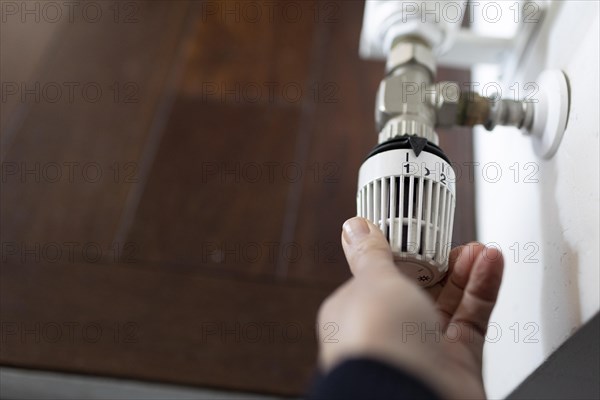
(437, 336)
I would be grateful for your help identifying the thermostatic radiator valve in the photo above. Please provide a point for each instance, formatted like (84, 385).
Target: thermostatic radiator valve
(406, 185)
(406, 188)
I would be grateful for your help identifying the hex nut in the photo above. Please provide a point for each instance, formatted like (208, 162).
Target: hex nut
(409, 52)
(445, 98)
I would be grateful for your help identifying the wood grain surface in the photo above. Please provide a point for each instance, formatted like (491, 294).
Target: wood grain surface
(228, 147)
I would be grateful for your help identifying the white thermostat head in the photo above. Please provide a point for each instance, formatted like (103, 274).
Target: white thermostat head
(406, 187)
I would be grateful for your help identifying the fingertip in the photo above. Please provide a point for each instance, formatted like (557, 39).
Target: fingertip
(355, 229)
(463, 260)
(454, 254)
(365, 246)
(487, 274)
(492, 255)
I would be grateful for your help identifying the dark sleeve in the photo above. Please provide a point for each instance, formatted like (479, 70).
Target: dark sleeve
(360, 379)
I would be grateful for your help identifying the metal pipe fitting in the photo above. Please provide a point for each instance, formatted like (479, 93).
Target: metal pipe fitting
(402, 106)
(474, 109)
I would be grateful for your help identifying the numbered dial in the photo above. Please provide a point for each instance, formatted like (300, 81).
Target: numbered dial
(410, 196)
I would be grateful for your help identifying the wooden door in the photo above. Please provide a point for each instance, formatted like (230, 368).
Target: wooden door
(183, 225)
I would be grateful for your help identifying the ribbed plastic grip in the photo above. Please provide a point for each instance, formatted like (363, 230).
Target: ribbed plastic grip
(411, 199)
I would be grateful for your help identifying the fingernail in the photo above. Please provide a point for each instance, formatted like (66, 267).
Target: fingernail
(355, 229)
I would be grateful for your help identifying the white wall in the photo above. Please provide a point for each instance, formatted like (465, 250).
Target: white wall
(555, 220)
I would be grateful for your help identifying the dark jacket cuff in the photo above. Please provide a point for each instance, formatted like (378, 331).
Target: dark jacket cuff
(363, 378)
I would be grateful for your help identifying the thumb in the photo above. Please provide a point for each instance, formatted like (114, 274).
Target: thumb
(366, 249)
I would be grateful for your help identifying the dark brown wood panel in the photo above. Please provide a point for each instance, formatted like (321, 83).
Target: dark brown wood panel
(159, 325)
(342, 133)
(247, 52)
(71, 165)
(226, 160)
(217, 190)
(219, 251)
(19, 68)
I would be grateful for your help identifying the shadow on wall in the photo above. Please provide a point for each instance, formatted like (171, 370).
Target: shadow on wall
(560, 306)
(561, 310)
